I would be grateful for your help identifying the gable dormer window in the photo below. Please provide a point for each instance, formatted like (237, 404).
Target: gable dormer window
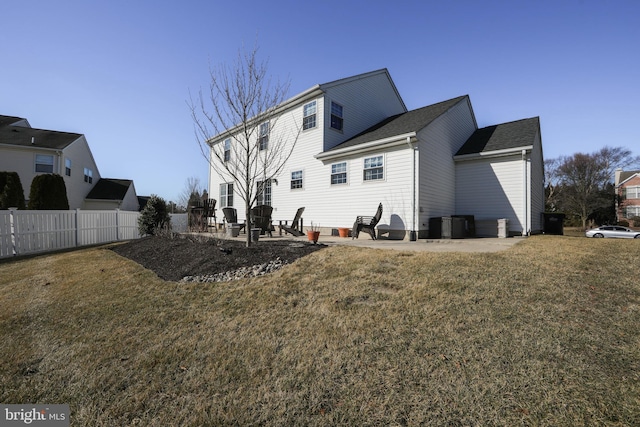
(336, 116)
(309, 116)
(263, 139)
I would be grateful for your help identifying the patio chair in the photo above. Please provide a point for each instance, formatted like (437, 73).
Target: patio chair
(231, 217)
(367, 223)
(210, 212)
(296, 225)
(261, 218)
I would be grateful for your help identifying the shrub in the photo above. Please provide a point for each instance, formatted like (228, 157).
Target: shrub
(11, 191)
(154, 216)
(636, 221)
(623, 223)
(48, 192)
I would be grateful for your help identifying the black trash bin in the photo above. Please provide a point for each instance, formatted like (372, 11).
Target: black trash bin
(553, 223)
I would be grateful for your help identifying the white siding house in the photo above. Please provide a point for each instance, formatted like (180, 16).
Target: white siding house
(366, 149)
(30, 152)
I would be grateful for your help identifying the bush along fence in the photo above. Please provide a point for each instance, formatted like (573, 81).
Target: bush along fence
(26, 231)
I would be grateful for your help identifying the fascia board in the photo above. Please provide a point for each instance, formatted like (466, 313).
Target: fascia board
(367, 146)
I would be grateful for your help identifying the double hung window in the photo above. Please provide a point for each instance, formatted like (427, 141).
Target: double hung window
(373, 168)
(227, 149)
(263, 139)
(88, 175)
(296, 180)
(633, 192)
(339, 173)
(309, 116)
(336, 116)
(67, 167)
(44, 163)
(264, 193)
(226, 195)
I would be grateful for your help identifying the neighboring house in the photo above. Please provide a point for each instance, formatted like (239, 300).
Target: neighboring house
(110, 194)
(627, 184)
(359, 146)
(31, 152)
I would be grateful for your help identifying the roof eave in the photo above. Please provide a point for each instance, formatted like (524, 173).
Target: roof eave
(492, 154)
(367, 146)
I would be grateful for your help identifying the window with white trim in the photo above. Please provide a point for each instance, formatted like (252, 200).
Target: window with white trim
(263, 139)
(88, 175)
(633, 211)
(339, 173)
(226, 194)
(296, 180)
(264, 193)
(67, 167)
(309, 116)
(373, 168)
(633, 192)
(44, 163)
(336, 116)
(227, 149)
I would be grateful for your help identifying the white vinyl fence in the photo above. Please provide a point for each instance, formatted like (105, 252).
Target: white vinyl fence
(24, 231)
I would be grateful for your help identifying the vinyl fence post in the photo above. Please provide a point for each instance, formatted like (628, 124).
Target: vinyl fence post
(118, 225)
(12, 231)
(77, 237)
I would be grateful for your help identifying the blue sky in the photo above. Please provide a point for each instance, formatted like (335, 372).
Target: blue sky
(120, 72)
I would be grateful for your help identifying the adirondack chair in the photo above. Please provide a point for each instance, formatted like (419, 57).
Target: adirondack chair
(231, 217)
(367, 223)
(296, 225)
(210, 212)
(261, 217)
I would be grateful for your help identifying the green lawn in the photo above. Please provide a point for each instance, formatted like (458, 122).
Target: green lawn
(546, 333)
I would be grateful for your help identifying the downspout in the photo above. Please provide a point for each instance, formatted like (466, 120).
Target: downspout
(412, 234)
(524, 194)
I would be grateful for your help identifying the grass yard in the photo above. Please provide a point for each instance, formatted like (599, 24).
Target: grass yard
(546, 333)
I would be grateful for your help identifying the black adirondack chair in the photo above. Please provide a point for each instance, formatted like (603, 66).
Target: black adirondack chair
(231, 217)
(367, 223)
(295, 227)
(261, 217)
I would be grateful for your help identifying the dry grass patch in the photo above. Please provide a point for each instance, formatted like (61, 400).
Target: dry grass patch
(543, 334)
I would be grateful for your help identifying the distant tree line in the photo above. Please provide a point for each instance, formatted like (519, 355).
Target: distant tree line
(582, 185)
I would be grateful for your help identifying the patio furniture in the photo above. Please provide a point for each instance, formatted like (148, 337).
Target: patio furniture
(209, 206)
(367, 223)
(261, 218)
(231, 217)
(296, 225)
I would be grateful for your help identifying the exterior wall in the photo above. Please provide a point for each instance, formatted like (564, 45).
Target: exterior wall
(365, 102)
(536, 187)
(626, 201)
(80, 155)
(22, 160)
(491, 189)
(437, 171)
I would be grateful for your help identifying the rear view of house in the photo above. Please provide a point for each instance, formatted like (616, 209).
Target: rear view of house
(358, 146)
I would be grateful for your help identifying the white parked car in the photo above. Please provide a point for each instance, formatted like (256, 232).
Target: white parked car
(613, 231)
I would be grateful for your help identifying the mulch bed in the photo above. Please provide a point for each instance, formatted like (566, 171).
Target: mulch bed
(175, 257)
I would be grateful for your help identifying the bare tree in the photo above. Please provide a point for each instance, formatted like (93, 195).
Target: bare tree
(581, 184)
(237, 129)
(192, 190)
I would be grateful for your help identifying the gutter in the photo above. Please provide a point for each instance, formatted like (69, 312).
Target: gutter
(367, 146)
(495, 153)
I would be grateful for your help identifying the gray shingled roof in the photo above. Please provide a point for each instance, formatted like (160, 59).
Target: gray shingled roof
(22, 136)
(625, 175)
(8, 120)
(516, 134)
(109, 189)
(411, 121)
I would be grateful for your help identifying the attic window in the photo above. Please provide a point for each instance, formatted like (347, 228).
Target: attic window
(44, 163)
